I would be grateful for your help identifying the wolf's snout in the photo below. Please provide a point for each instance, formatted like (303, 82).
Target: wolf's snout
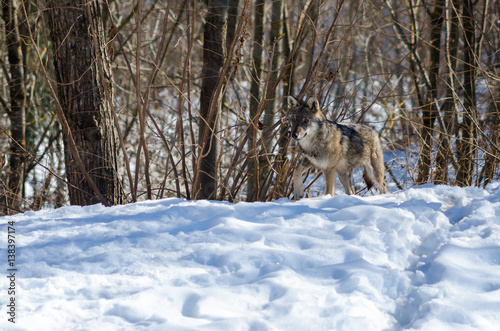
(298, 136)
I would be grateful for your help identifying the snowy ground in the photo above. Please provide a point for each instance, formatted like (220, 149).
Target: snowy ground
(427, 258)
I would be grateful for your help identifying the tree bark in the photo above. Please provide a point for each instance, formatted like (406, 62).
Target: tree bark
(493, 155)
(11, 198)
(493, 120)
(429, 113)
(255, 95)
(275, 46)
(85, 93)
(275, 35)
(232, 21)
(214, 45)
(467, 142)
(288, 88)
(449, 104)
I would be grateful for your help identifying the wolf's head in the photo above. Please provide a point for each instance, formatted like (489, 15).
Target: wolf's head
(304, 118)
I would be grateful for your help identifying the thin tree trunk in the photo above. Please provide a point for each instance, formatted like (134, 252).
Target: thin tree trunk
(493, 122)
(429, 113)
(493, 155)
(85, 93)
(467, 142)
(288, 88)
(255, 95)
(275, 37)
(12, 193)
(275, 46)
(232, 19)
(449, 104)
(214, 45)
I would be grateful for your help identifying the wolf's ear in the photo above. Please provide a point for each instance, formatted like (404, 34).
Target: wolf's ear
(313, 104)
(293, 102)
(314, 108)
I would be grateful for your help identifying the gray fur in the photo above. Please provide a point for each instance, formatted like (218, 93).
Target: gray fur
(334, 148)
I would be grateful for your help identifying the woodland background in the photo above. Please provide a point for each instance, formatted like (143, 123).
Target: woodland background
(120, 101)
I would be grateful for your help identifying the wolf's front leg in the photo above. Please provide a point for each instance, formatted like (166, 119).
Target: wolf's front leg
(329, 175)
(298, 186)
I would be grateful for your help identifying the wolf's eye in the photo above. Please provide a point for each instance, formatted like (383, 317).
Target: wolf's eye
(306, 120)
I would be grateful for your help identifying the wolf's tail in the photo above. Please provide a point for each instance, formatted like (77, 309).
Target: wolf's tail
(368, 180)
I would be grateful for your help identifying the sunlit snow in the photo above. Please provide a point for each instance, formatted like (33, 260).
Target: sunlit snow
(426, 258)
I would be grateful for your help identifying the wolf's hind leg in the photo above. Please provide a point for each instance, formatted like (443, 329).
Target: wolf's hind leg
(377, 170)
(346, 180)
(368, 176)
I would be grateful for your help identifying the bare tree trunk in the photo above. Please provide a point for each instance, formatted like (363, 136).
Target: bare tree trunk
(214, 45)
(489, 171)
(467, 141)
(275, 36)
(493, 155)
(12, 193)
(275, 46)
(232, 21)
(429, 113)
(85, 93)
(449, 104)
(255, 95)
(288, 88)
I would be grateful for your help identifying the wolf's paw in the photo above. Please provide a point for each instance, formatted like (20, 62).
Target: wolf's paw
(298, 193)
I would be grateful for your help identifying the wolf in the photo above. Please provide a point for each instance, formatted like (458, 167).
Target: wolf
(334, 148)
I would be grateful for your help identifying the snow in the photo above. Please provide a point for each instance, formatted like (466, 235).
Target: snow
(427, 258)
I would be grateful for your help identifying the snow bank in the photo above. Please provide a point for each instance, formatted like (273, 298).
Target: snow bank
(423, 259)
